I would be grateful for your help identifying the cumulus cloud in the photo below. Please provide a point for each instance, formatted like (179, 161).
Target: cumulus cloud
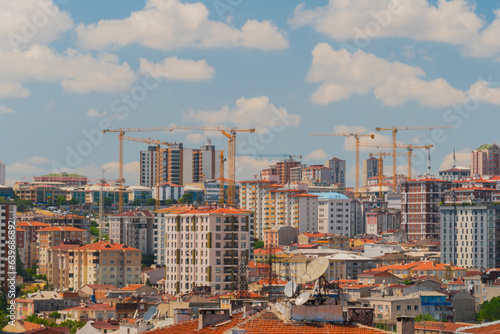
(5, 110)
(28, 22)
(172, 24)
(316, 155)
(453, 22)
(463, 158)
(172, 68)
(342, 75)
(36, 160)
(247, 167)
(196, 138)
(94, 113)
(74, 71)
(249, 112)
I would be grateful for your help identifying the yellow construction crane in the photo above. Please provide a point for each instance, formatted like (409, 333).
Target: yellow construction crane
(226, 131)
(381, 156)
(221, 170)
(357, 137)
(158, 144)
(395, 130)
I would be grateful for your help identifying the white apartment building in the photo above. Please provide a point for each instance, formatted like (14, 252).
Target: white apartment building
(203, 247)
(8, 212)
(168, 191)
(469, 235)
(334, 214)
(134, 229)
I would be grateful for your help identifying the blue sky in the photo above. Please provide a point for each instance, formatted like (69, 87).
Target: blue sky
(241, 63)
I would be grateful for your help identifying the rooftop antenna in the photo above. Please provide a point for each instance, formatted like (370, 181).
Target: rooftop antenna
(314, 272)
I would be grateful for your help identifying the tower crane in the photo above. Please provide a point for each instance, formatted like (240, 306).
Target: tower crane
(222, 195)
(229, 132)
(381, 156)
(158, 144)
(290, 156)
(357, 137)
(395, 130)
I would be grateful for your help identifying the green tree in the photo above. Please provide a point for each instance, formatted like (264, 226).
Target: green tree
(94, 231)
(169, 202)
(258, 244)
(490, 310)
(4, 321)
(73, 201)
(424, 317)
(55, 315)
(61, 200)
(151, 202)
(187, 198)
(93, 223)
(24, 205)
(137, 202)
(108, 201)
(147, 260)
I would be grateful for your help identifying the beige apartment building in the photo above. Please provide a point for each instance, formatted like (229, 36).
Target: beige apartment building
(388, 308)
(73, 266)
(52, 236)
(30, 253)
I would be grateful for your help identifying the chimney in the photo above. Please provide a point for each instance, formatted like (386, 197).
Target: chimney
(209, 317)
(405, 324)
(181, 315)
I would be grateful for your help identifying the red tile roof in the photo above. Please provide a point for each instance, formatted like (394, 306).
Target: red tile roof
(93, 307)
(33, 223)
(105, 245)
(313, 235)
(439, 326)
(134, 213)
(132, 287)
(486, 328)
(61, 228)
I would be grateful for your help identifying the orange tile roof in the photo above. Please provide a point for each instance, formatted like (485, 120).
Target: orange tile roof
(305, 195)
(33, 223)
(486, 328)
(132, 287)
(61, 228)
(439, 326)
(20, 229)
(93, 307)
(274, 281)
(105, 245)
(313, 235)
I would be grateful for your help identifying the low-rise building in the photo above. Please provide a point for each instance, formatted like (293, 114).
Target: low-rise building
(435, 304)
(281, 236)
(43, 301)
(99, 312)
(388, 308)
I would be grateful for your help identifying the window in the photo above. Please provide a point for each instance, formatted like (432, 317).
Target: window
(416, 307)
(398, 307)
(408, 307)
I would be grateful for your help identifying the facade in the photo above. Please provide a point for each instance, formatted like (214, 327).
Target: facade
(42, 301)
(283, 170)
(282, 236)
(420, 200)
(454, 174)
(486, 160)
(31, 251)
(72, 266)
(134, 229)
(203, 247)
(179, 165)
(296, 173)
(388, 308)
(2, 173)
(470, 236)
(139, 193)
(65, 178)
(435, 304)
(381, 220)
(168, 191)
(49, 237)
(370, 169)
(8, 213)
(335, 214)
(338, 169)
(38, 193)
(317, 174)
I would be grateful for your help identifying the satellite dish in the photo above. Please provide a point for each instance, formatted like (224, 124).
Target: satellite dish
(303, 298)
(147, 316)
(316, 269)
(290, 288)
(152, 310)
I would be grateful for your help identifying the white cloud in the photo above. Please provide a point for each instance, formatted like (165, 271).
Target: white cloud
(172, 68)
(27, 22)
(196, 138)
(93, 113)
(76, 72)
(5, 110)
(316, 155)
(349, 142)
(462, 156)
(342, 74)
(247, 167)
(453, 22)
(252, 112)
(485, 92)
(38, 160)
(171, 24)
(23, 169)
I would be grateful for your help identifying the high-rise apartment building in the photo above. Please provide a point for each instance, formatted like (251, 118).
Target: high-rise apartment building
(179, 165)
(486, 160)
(334, 214)
(338, 170)
(203, 247)
(283, 170)
(8, 213)
(370, 169)
(420, 200)
(469, 235)
(134, 229)
(31, 251)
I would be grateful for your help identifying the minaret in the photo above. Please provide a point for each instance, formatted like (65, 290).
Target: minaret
(454, 160)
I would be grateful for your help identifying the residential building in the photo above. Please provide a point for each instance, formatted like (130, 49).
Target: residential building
(63, 177)
(22, 244)
(454, 173)
(336, 241)
(282, 236)
(317, 174)
(339, 170)
(203, 247)
(42, 301)
(486, 160)
(420, 199)
(139, 193)
(295, 173)
(168, 191)
(72, 266)
(2, 173)
(6, 192)
(133, 228)
(470, 193)
(469, 235)
(179, 165)
(98, 312)
(49, 237)
(31, 251)
(435, 304)
(388, 308)
(375, 250)
(375, 277)
(41, 193)
(335, 214)
(283, 170)
(8, 213)
(370, 169)
(381, 220)
(424, 268)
